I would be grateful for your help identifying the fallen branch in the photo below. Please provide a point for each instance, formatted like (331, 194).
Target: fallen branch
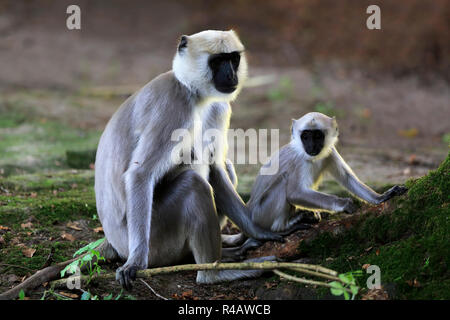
(53, 272)
(310, 269)
(46, 275)
(40, 277)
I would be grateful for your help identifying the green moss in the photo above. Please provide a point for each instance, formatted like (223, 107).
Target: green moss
(409, 243)
(47, 208)
(49, 200)
(80, 159)
(53, 180)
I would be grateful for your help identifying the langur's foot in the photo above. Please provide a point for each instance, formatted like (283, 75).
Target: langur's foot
(107, 251)
(309, 217)
(264, 235)
(350, 207)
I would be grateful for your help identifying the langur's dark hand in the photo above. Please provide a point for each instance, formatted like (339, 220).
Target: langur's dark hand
(394, 192)
(126, 275)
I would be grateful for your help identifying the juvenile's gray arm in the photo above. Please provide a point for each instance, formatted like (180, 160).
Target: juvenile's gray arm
(346, 177)
(318, 200)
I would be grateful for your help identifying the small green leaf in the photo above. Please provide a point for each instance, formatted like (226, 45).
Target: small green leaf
(346, 295)
(354, 289)
(108, 297)
(357, 273)
(336, 285)
(336, 292)
(347, 278)
(90, 246)
(119, 295)
(87, 258)
(86, 295)
(21, 295)
(336, 288)
(71, 268)
(398, 278)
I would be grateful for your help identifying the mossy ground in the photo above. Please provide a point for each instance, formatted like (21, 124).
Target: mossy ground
(409, 241)
(49, 202)
(38, 186)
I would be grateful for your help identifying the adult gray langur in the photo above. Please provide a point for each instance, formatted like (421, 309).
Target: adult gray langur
(153, 209)
(275, 199)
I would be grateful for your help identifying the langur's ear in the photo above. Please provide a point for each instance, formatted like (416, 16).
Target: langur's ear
(183, 43)
(292, 125)
(335, 125)
(293, 122)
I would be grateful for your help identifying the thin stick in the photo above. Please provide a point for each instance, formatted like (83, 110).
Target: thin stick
(317, 274)
(154, 292)
(305, 281)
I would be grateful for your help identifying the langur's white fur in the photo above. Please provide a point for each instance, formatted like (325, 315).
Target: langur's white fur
(315, 121)
(190, 66)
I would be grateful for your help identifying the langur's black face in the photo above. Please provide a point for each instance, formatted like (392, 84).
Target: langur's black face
(313, 141)
(224, 68)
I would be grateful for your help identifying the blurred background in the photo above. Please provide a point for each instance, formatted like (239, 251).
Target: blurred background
(388, 88)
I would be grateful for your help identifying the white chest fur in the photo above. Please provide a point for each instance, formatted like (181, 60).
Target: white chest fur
(200, 162)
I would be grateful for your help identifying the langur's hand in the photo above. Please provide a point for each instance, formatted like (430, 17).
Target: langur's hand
(393, 192)
(126, 274)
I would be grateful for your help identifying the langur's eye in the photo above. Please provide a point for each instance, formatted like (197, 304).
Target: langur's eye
(215, 62)
(235, 59)
(318, 134)
(305, 134)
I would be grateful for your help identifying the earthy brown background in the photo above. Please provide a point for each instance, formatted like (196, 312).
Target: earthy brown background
(388, 88)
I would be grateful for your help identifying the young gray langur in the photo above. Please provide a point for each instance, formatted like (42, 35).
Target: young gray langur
(275, 199)
(153, 209)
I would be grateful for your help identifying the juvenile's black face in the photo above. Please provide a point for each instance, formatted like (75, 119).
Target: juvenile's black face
(313, 141)
(224, 68)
